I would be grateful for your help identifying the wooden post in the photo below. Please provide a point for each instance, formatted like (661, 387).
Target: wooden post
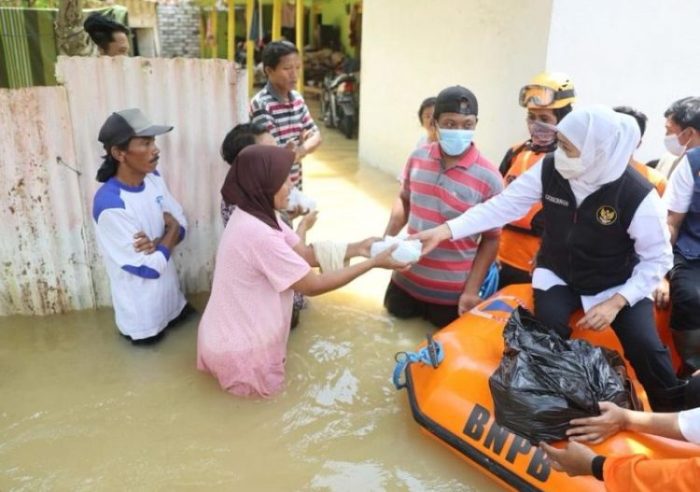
(276, 19)
(300, 43)
(231, 48)
(250, 46)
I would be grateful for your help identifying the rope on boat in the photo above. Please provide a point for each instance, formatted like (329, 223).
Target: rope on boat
(432, 354)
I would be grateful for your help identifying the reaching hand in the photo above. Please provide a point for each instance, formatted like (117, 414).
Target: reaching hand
(297, 147)
(308, 221)
(611, 420)
(295, 212)
(576, 459)
(385, 260)
(363, 247)
(602, 314)
(432, 237)
(467, 302)
(143, 244)
(662, 295)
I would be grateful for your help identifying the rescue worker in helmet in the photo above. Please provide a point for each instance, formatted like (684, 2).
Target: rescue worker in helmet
(548, 98)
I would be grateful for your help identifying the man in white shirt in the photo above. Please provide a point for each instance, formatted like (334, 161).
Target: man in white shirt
(683, 201)
(138, 224)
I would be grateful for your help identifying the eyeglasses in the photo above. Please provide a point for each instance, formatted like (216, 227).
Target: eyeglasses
(539, 95)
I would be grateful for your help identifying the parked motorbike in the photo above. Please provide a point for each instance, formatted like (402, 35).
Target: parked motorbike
(340, 102)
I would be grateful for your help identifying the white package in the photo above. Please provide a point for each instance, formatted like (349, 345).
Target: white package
(408, 251)
(298, 199)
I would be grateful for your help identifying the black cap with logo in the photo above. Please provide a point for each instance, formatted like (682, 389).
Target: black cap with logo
(456, 99)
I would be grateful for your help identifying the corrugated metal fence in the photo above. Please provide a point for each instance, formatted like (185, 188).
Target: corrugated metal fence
(50, 261)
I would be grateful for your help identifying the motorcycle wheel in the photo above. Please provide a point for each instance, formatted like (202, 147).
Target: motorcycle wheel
(346, 126)
(326, 110)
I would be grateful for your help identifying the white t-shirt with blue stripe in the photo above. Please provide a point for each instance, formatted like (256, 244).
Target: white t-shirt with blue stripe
(145, 289)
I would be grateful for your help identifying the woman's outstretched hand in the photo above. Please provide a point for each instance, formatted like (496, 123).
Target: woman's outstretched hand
(385, 260)
(363, 248)
(432, 237)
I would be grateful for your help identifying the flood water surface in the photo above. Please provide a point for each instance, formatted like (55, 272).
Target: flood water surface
(83, 409)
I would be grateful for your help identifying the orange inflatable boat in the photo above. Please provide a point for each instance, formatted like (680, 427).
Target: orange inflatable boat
(449, 396)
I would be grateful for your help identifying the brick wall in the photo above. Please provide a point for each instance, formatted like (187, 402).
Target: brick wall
(178, 26)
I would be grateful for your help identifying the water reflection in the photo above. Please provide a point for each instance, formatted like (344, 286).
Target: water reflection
(81, 409)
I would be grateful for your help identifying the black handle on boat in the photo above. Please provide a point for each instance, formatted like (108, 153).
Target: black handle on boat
(432, 351)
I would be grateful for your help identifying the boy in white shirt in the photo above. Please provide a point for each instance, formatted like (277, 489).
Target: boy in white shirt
(138, 224)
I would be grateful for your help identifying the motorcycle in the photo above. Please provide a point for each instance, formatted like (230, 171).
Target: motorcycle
(340, 103)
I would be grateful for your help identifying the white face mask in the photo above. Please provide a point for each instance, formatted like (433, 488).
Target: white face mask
(673, 145)
(568, 167)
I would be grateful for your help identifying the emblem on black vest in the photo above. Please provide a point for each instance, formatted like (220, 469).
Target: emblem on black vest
(606, 215)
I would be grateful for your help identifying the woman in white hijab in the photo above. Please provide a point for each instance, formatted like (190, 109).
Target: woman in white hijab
(605, 245)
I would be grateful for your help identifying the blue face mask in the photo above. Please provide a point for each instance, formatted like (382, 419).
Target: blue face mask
(455, 142)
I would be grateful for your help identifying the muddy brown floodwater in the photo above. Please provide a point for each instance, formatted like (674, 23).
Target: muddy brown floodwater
(81, 409)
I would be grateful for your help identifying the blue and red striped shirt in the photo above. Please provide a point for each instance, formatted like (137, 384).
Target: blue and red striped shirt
(286, 121)
(436, 194)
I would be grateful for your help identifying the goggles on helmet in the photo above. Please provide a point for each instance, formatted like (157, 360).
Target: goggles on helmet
(541, 96)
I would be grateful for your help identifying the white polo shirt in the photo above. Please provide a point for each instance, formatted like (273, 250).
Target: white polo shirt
(145, 289)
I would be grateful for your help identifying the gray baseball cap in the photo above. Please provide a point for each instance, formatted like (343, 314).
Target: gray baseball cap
(127, 124)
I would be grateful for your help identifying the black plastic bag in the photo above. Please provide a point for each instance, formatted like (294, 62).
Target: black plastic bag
(544, 381)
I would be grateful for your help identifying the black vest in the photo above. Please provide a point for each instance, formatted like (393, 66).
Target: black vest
(589, 247)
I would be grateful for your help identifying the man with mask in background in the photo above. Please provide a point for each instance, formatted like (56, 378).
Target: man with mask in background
(442, 180)
(678, 138)
(683, 202)
(548, 98)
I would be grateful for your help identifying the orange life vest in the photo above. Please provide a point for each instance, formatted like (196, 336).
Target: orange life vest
(520, 240)
(639, 473)
(652, 175)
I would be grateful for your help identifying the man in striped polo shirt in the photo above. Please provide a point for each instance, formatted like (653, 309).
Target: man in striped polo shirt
(440, 181)
(281, 109)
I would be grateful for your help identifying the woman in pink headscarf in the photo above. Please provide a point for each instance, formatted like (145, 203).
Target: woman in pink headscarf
(260, 262)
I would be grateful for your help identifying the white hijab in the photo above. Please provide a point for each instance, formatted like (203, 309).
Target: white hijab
(606, 140)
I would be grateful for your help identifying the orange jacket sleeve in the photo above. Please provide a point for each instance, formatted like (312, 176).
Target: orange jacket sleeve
(640, 474)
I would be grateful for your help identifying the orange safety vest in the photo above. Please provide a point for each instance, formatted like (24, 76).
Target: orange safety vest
(520, 240)
(657, 179)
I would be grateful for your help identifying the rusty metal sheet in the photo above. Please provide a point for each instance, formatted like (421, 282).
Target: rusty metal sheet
(43, 265)
(199, 98)
(49, 260)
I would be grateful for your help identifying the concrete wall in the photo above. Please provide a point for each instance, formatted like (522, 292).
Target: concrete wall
(411, 49)
(642, 53)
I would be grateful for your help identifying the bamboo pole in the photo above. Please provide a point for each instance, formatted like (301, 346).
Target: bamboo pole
(231, 45)
(276, 19)
(250, 46)
(300, 43)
